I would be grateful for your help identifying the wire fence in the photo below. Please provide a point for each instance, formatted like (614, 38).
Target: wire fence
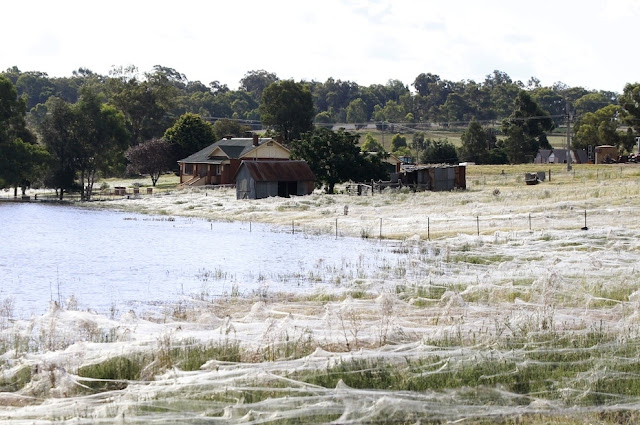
(434, 227)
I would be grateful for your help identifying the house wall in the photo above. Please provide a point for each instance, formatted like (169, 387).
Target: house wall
(269, 150)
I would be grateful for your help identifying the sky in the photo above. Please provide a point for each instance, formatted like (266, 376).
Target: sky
(587, 43)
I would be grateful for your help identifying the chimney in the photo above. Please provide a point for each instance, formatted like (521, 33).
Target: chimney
(256, 140)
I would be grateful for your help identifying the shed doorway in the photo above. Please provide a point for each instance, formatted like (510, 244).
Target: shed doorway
(286, 189)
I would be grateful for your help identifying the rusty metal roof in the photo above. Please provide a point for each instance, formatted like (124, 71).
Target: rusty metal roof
(270, 171)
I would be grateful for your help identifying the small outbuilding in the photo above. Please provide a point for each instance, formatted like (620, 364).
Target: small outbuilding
(606, 154)
(434, 177)
(262, 179)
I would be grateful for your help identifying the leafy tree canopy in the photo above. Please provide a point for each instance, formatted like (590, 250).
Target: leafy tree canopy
(287, 108)
(152, 157)
(630, 102)
(371, 144)
(440, 152)
(254, 82)
(398, 141)
(335, 157)
(526, 129)
(226, 127)
(189, 134)
(602, 128)
(20, 157)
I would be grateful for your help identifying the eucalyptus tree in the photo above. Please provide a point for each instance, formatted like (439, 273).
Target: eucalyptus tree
(21, 158)
(526, 129)
(334, 157)
(101, 138)
(287, 108)
(602, 127)
(630, 102)
(254, 83)
(59, 137)
(189, 134)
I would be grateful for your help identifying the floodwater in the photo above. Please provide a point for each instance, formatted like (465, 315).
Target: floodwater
(114, 261)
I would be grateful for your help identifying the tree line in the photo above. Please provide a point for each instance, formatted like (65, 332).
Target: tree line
(67, 131)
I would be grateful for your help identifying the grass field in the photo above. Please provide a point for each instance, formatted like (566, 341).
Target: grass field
(557, 140)
(501, 308)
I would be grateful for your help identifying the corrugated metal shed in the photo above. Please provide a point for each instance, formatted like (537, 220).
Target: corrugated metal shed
(265, 171)
(434, 177)
(261, 179)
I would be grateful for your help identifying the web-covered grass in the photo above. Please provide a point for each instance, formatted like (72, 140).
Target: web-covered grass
(501, 325)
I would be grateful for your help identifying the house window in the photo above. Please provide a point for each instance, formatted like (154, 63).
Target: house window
(217, 169)
(188, 169)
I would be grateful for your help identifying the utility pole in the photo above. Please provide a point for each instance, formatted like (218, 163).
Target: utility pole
(568, 138)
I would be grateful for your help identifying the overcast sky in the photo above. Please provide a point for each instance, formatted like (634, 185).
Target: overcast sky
(589, 43)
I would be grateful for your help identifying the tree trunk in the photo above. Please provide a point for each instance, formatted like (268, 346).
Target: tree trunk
(91, 178)
(82, 198)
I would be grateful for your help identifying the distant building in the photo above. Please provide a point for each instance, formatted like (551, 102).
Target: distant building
(434, 177)
(262, 179)
(218, 163)
(559, 156)
(606, 154)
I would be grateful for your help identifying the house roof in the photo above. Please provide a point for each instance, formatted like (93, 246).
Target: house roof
(269, 171)
(560, 155)
(232, 148)
(580, 155)
(544, 154)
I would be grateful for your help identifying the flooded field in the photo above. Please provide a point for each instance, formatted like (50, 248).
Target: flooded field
(470, 316)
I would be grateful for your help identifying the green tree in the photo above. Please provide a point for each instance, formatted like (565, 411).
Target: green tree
(440, 152)
(418, 142)
(503, 92)
(12, 114)
(188, 135)
(153, 157)
(335, 157)
(254, 82)
(20, 158)
(58, 135)
(23, 163)
(223, 128)
(476, 142)
(324, 117)
(590, 102)
(600, 128)
(550, 101)
(146, 104)
(36, 86)
(526, 129)
(455, 108)
(393, 111)
(630, 102)
(287, 108)
(357, 111)
(370, 144)
(398, 141)
(102, 137)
